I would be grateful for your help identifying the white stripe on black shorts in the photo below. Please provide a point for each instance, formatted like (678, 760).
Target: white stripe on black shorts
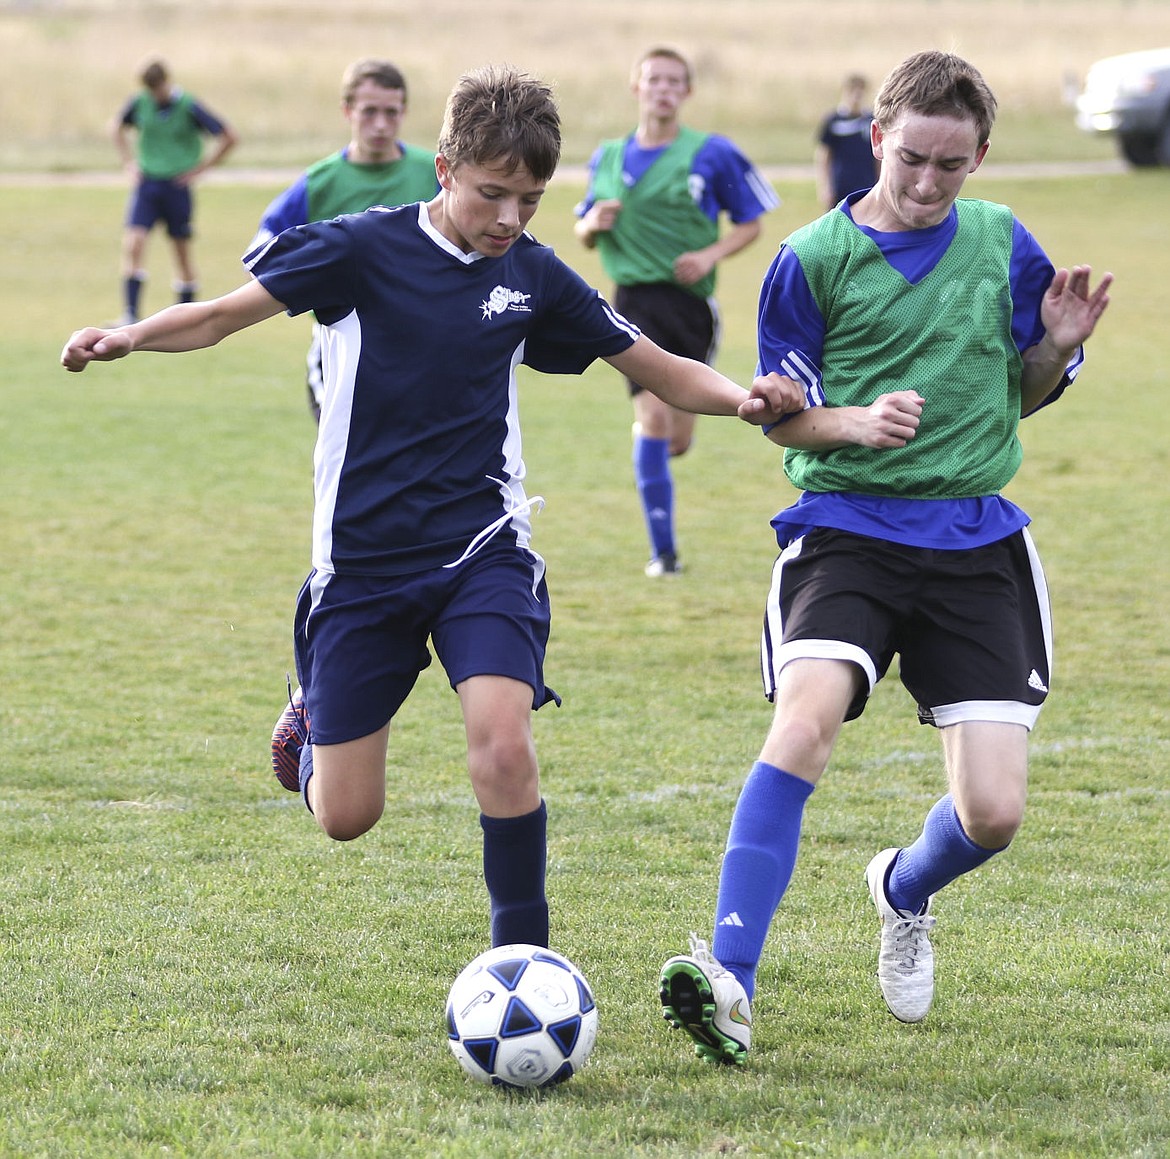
(972, 628)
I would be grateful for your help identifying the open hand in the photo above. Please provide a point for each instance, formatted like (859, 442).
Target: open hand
(1069, 310)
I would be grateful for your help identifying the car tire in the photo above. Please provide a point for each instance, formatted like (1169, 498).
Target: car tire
(1140, 149)
(1163, 145)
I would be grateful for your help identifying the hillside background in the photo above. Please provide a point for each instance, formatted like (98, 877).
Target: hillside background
(766, 69)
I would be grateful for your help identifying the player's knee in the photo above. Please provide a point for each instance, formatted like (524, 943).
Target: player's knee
(801, 745)
(504, 772)
(346, 820)
(346, 827)
(993, 824)
(508, 772)
(503, 747)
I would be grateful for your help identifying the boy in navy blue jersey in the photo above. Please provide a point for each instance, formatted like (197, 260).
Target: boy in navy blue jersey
(421, 525)
(843, 159)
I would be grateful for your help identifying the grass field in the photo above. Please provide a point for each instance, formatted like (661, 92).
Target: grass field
(191, 969)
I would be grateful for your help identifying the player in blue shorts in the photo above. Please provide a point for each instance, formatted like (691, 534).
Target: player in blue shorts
(921, 328)
(159, 136)
(422, 524)
(653, 210)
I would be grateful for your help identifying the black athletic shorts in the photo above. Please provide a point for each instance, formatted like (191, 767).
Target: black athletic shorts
(972, 629)
(672, 318)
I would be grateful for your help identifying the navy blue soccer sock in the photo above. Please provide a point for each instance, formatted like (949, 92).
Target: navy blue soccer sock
(306, 771)
(132, 291)
(514, 855)
(656, 489)
(757, 866)
(942, 852)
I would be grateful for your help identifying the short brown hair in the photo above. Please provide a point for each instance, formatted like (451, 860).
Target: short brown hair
(496, 114)
(154, 73)
(936, 84)
(666, 53)
(384, 74)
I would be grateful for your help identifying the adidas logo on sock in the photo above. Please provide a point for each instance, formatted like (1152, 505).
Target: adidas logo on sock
(732, 919)
(1034, 681)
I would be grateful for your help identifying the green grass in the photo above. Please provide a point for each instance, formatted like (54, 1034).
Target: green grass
(191, 969)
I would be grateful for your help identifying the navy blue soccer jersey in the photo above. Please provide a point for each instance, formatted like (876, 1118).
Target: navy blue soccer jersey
(418, 457)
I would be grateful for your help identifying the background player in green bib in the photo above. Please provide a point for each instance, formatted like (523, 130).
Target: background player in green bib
(375, 168)
(653, 208)
(159, 136)
(921, 328)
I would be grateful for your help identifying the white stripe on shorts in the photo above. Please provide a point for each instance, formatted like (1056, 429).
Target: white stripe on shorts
(1008, 711)
(774, 653)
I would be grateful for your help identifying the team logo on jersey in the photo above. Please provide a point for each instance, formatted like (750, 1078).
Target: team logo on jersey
(501, 299)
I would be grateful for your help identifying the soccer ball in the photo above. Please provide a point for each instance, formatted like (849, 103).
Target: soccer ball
(521, 1016)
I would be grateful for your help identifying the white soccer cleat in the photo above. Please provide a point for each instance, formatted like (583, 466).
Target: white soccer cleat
(667, 563)
(708, 1002)
(906, 958)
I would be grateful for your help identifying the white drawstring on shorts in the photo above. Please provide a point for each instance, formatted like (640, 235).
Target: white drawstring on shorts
(532, 505)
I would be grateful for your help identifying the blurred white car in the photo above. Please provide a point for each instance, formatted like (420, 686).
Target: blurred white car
(1129, 96)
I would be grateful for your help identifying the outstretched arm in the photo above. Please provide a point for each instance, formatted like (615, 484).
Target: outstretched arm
(186, 326)
(891, 420)
(695, 387)
(1069, 312)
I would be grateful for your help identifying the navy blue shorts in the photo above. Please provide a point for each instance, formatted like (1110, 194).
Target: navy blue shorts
(158, 199)
(972, 629)
(361, 641)
(671, 317)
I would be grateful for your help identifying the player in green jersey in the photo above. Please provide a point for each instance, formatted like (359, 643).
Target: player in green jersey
(159, 136)
(922, 327)
(653, 210)
(376, 168)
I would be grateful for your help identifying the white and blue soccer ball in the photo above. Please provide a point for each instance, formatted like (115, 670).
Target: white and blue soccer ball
(521, 1016)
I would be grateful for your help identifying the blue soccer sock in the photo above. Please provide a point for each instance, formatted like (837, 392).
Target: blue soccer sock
(132, 292)
(942, 852)
(514, 854)
(306, 772)
(757, 866)
(656, 489)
